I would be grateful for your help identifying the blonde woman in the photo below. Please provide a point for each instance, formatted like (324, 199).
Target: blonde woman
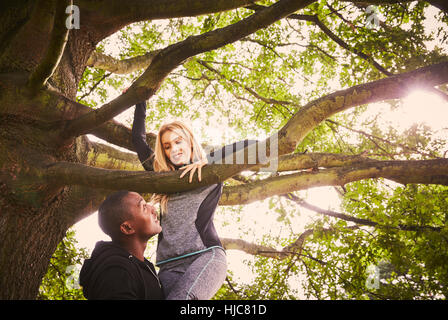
(190, 255)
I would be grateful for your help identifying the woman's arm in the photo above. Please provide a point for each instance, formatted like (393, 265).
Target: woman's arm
(144, 151)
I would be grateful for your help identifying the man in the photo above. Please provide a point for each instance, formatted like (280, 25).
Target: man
(118, 269)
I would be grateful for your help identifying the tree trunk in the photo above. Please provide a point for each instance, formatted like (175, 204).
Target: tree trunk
(34, 216)
(28, 238)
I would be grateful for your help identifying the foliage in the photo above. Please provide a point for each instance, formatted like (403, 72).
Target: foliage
(412, 264)
(61, 280)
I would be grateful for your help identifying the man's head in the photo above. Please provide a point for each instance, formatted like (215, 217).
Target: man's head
(125, 214)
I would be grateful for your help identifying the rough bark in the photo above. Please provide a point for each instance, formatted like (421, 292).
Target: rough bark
(105, 62)
(413, 171)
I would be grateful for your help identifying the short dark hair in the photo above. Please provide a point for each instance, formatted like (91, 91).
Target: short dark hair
(113, 212)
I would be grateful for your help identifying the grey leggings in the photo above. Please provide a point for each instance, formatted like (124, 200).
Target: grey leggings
(197, 277)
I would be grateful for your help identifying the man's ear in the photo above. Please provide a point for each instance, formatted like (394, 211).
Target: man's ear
(126, 228)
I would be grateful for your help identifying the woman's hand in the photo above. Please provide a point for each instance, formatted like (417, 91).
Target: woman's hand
(192, 167)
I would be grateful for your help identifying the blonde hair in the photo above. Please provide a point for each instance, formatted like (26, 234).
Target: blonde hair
(163, 164)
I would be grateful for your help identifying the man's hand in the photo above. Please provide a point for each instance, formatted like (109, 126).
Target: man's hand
(192, 167)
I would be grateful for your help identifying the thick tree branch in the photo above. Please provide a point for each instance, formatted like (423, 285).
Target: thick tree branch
(118, 134)
(393, 87)
(107, 157)
(417, 171)
(57, 108)
(169, 58)
(413, 171)
(298, 161)
(55, 49)
(102, 18)
(67, 173)
(101, 61)
(136, 10)
(103, 156)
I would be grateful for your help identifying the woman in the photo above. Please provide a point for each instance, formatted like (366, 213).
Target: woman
(190, 255)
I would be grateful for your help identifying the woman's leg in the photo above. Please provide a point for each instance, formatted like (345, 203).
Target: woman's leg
(169, 276)
(202, 278)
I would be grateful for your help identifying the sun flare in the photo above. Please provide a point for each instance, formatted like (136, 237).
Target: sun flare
(421, 107)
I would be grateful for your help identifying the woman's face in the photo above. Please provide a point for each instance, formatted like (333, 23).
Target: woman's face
(176, 148)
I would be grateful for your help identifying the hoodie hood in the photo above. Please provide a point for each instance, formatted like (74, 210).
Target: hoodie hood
(93, 267)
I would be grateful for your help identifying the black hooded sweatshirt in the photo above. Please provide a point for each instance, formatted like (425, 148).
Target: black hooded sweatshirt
(113, 273)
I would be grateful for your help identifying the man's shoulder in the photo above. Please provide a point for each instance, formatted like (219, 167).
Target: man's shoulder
(118, 261)
(112, 257)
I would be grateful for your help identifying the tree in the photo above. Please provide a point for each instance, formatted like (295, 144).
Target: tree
(230, 52)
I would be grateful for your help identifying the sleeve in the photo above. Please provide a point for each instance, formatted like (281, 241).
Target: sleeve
(116, 283)
(144, 151)
(204, 221)
(219, 155)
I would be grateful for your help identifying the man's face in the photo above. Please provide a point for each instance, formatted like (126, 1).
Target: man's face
(144, 221)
